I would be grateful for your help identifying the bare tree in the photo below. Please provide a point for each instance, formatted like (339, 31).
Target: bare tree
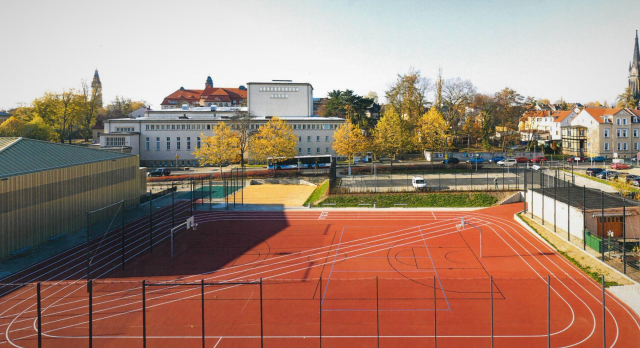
(457, 95)
(89, 100)
(241, 126)
(407, 96)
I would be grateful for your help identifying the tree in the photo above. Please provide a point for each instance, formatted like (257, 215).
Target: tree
(241, 126)
(431, 134)
(407, 97)
(627, 99)
(37, 129)
(90, 100)
(485, 106)
(348, 141)
(471, 129)
(438, 95)
(347, 104)
(509, 108)
(11, 127)
(275, 141)
(219, 148)
(372, 95)
(391, 135)
(46, 106)
(66, 116)
(121, 107)
(457, 95)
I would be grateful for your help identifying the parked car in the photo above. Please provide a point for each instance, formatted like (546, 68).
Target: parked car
(474, 160)
(159, 172)
(451, 160)
(607, 174)
(508, 162)
(538, 159)
(635, 182)
(594, 171)
(597, 159)
(620, 166)
(497, 159)
(521, 159)
(630, 178)
(419, 183)
(577, 159)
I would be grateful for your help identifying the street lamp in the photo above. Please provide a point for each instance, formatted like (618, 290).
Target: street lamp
(610, 234)
(461, 226)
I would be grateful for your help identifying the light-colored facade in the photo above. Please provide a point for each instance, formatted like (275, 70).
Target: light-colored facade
(168, 137)
(612, 133)
(280, 98)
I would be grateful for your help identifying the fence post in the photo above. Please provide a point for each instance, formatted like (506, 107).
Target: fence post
(90, 291)
(144, 313)
(472, 177)
(191, 199)
(39, 303)
(320, 303)
(548, 311)
(261, 318)
(555, 202)
(532, 192)
(602, 223)
(584, 217)
(377, 314)
(525, 191)
(88, 247)
(624, 235)
(491, 280)
(569, 210)
(604, 315)
(543, 196)
(202, 293)
(210, 195)
(173, 206)
(150, 221)
(123, 237)
(435, 314)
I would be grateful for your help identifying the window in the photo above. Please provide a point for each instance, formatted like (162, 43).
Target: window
(146, 127)
(308, 150)
(157, 143)
(182, 126)
(326, 138)
(606, 146)
(619, 146)
(624, 121)
(317, 138)
(178, 143)
(299, 137)
(318, 150)
(188, 143)
(115, 141)
(635, 132)
(173, 126)
(299, 150)
(198, 142)
(626, 146)
(168, 144)
(326, 150)
(208, 127)
(635, 146)
(618, 121)
(308, 138)
(606, 132)
(162, 127)
(146, 143)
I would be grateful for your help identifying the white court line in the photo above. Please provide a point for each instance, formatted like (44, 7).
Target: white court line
(434, 215)
(220, 339)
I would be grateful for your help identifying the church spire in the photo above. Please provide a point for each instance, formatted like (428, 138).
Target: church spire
(636, 54)
(209, 82)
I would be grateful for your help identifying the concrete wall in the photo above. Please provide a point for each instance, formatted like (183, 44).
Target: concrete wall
(280, 99)
(575, 215)
(36, 207)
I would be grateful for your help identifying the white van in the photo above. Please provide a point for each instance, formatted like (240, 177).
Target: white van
(419, 183)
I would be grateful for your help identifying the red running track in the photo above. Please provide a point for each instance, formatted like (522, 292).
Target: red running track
(338, 278)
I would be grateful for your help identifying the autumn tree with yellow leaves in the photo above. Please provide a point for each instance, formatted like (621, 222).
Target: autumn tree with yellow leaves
(219, 148)
(348, 141)
(431, 133)
(392, 136)
(275, 141)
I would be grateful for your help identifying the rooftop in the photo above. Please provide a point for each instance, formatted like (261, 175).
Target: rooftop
(20, 156)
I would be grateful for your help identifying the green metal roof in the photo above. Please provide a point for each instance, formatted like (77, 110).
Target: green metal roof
(20, 156)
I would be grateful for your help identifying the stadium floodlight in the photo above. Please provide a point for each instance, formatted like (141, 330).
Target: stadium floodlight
(190, 223)
(463, 224)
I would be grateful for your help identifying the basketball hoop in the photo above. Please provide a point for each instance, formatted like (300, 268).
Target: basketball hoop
(459, 227)
(189, 224)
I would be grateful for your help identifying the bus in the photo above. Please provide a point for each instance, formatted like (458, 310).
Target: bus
(302, 162)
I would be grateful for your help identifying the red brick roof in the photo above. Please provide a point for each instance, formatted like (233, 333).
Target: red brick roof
(561, 115)
(209, 94)
(597, 113)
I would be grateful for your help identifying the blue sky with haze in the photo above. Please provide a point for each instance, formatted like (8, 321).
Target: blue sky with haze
(578, 50)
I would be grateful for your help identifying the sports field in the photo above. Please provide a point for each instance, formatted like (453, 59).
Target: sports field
(333, 278)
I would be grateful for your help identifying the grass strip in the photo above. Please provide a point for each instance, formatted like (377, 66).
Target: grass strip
(319, 193)
(412, 200)
(595, 275)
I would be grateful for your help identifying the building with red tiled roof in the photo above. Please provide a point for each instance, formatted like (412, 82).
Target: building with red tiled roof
(209, 96)
(609, 132)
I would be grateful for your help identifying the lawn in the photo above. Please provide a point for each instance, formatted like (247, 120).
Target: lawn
(411, 200)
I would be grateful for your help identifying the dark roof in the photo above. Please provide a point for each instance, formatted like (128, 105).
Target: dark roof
(2, 113)
(587, 198)
(20, 156)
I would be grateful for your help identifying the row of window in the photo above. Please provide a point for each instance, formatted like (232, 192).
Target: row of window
(115, 142)
(326, 138)
(326, 150)
(280, 96)
(124, 129)
(607, 147)
(147, 143)
(154, 127)
(188, 163)
(279, 89)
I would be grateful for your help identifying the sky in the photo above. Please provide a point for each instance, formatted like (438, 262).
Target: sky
(145, 50)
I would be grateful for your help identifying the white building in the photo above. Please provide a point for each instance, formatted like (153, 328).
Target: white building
(168, 137)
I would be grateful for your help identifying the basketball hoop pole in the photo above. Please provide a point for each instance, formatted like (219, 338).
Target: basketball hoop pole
(462, 225)
(190, 223)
